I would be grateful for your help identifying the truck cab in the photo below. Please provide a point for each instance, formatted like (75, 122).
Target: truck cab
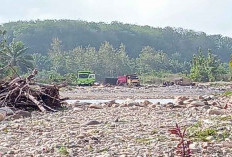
(85, 78)
(133, 80)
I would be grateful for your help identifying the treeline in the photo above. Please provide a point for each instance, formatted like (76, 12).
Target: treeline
(106, 61)
(59, 61)
(37, 35)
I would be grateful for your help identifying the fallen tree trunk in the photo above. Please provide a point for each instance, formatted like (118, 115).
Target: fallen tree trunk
(33, 99)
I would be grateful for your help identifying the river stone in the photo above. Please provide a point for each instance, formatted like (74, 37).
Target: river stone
(180, 98)
(180, 103)
(133, 104)
(110, 103)
(77, 109)
(95, 106)
(210, 138)
(146, 102)
(78, 104)
(205, 145)
(153, 106)
(6, 110)
(23, 113)
(115, 105)
(92, 122)
(2, 116)
(216, 112)
(227, 144)
(104, 105)
(197, 103)
(188, 101)
(200, 97)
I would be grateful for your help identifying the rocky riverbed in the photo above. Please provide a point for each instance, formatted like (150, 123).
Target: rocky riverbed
(126, 129)
(143, 92)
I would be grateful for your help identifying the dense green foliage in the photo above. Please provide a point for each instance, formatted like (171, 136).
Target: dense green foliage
(111, 50)
(13, 57)
(207, 68)
(105, 62)
(173, 41)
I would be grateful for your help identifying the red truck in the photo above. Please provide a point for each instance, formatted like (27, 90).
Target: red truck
(130, 80)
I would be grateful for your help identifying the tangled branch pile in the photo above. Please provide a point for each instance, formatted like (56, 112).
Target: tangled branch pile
(22, 93)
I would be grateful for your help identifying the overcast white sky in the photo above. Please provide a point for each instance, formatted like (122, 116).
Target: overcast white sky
(210, 16)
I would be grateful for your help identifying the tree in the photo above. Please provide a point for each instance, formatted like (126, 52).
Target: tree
(206, 68)
(15, 56)
(74, 33)
(3, 64)
(57, 57)
(41, 62)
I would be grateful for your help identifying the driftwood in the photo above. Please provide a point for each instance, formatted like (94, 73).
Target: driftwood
(23, 93)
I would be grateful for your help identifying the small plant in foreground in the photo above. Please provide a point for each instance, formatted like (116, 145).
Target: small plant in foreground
(63, 150)
(182, 148)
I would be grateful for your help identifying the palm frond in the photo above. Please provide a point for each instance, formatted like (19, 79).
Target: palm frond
(20, 52)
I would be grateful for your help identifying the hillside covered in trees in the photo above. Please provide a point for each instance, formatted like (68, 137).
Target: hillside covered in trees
(178, 42)
(58, 49)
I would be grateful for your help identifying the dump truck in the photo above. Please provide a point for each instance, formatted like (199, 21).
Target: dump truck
(130, 80)
(85, 78)
(110, 81)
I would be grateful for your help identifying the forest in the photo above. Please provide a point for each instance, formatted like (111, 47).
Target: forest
(59, 48)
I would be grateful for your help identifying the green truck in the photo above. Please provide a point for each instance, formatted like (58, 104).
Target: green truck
(85, 78)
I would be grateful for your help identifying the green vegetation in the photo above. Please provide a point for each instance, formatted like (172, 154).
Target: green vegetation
(103, 150)
(196, 133)
(224, 118)
(145, 141)
(227, 93)
(153, 132)
(60, 48)
(176, 42)
(63, 151)
(203, 134)
(206, 68)
(13, 57)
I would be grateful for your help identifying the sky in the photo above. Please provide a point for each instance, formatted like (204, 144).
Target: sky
(210, 16)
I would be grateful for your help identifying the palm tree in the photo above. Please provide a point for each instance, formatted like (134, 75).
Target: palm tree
(15, 56)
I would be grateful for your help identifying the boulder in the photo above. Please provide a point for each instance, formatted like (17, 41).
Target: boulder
(96, 106)
(146, 102)
(21, 114)
(6, 110)
(180, 103)
(110, 103)
(77, 109)
(215, 103)
(92, 122)
(188, 101)
(152, 106)
(196, 104)
(227, 144)
(201, 97)
(123, 105)
(209, 138)
(216, 112)
(78, 104)
(133, 104)
(140, 105)
(170, 104)
(181, 98)
(115, 105)
(129, 103)
(2, 116)
(104, 105)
